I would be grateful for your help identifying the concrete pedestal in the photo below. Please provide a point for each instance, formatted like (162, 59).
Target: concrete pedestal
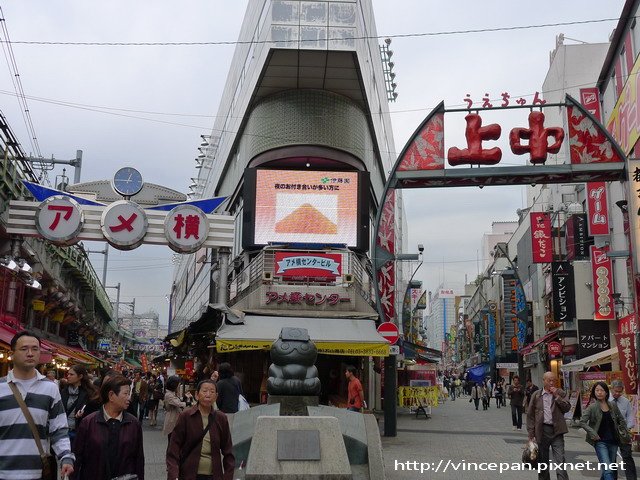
(293, 405)
(264, 462)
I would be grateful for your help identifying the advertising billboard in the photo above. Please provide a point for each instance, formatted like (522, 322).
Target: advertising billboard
(309, 207)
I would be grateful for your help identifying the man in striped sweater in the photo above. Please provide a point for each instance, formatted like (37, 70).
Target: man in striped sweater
(19, 456)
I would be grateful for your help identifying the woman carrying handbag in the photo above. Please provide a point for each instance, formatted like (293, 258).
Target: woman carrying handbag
(606, 428)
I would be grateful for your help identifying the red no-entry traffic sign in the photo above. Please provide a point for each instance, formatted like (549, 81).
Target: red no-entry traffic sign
(389, 331)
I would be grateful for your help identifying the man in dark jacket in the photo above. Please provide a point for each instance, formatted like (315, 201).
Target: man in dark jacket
(122, 453)
(229, 389)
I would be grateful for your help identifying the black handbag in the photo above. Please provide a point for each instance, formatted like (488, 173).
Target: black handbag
(622, 432)
(49, 464)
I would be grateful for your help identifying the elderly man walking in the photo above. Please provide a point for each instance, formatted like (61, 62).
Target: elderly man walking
(546, 424)
(624, 405)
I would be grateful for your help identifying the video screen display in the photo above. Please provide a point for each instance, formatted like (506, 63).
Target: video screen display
(306, 207)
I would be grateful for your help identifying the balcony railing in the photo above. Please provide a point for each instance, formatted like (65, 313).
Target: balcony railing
(263, 267)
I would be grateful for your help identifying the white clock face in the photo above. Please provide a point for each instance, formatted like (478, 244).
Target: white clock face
(127, 181)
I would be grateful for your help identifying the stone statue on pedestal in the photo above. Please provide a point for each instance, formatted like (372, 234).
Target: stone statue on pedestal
(293, 371)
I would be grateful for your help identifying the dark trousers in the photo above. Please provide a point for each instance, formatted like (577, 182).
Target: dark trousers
(498, 401)
(143, 410)
(516, 416)
(476, 401)
(557, 453)
(629, 465)
(133, 406)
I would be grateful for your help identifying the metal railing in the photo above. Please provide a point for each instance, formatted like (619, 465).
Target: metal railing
(251, 276)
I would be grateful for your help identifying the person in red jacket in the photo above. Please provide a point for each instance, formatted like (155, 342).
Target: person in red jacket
(200, 447)
(355, 400)
(109, 442)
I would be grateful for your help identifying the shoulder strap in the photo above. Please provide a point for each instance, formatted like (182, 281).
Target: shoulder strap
(27, 415)
(212, 417)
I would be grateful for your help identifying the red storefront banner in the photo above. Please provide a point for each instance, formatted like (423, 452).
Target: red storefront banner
(143, 362)
(541, 242)
(597, 208)
(628, 324)
(303, 266)
(627, 354)
(602, 285)
(590, 98)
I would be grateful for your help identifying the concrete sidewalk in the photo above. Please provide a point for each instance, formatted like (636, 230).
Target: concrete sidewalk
(456, 432)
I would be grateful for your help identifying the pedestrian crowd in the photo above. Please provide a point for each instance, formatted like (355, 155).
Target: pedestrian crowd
(82, 428)
(608, 419)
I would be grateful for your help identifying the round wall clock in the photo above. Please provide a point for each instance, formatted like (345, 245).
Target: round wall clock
(127, 181)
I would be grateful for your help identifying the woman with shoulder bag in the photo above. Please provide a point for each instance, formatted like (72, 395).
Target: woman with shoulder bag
(172, 405)
(80, 397)
(200, 447)
(606, 428)
(156, 394)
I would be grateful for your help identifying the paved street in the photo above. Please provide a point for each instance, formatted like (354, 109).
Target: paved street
(456, 432)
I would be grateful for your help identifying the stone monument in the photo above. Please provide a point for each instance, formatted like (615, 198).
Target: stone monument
(293, 377)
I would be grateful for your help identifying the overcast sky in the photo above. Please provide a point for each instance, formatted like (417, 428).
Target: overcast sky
(146, 106)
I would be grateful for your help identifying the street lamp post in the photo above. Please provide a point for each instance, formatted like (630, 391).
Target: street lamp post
(390, 374)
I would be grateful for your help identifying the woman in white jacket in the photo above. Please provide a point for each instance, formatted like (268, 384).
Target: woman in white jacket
(172, 405)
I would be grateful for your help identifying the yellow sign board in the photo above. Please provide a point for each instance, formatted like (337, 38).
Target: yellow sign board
(37, 305)
(624, 122)
(416, 396)
(327, 348)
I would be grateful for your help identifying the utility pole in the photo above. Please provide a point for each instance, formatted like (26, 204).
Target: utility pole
(117, 287)
(104, 252)
(76, 163)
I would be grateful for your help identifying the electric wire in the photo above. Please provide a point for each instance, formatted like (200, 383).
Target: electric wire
(364, 37)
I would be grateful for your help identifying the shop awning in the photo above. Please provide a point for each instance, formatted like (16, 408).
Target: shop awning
(133, 363)
(67, 353)
(332, 336)
(540, 341)
(6, 335)
(600, 358)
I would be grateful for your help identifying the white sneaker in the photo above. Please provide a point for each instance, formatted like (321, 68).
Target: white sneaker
(514, 429)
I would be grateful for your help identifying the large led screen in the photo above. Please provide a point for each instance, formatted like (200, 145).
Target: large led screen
(306, 207)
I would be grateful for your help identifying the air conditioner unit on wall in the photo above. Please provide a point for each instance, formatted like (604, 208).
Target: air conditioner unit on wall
(348, 278)
(267, 276)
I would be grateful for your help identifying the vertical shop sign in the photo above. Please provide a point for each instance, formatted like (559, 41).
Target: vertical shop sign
(602, 285)
(541, 243)
(634, 210)
(577, 237)
(597, 208)
(590, 98)
(564, 309)
(628, 365)
(628, 324)
(492, 337)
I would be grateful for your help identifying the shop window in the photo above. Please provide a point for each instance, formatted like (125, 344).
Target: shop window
(623, 65)
(635, 38)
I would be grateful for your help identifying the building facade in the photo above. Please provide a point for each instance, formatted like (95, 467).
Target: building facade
(300, 148)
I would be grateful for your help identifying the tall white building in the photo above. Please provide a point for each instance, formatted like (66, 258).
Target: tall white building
(300, 147)
(441, 317)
